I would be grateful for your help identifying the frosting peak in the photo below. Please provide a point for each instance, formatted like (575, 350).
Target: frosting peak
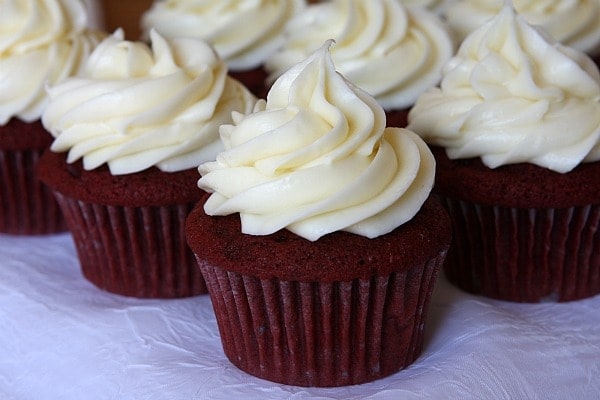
(243, 32)
(512, 94)
(574, 23)
(315, 158)
(134, 107)
(391, 51)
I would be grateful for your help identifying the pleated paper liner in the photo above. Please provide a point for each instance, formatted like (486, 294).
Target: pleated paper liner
(525, 255)
(318, 333)
(134, 251)
(27, 207)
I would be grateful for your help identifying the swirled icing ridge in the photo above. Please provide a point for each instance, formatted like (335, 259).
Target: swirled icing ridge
(316, 158)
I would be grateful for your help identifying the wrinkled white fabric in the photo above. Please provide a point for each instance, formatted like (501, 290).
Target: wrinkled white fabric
(134, 106)
(244, 32)
(62, 338)
(512, 94)
(317, 158)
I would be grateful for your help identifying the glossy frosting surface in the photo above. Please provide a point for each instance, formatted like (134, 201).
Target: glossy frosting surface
(41, 42)
(512, 94)
(317, 158)
(391, 51)
(244, 32)
(135, 106)
(575, 23)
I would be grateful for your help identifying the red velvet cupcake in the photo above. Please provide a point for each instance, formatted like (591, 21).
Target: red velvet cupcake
(39, 47)
(319, 244)
(516, 125)
(128, 132)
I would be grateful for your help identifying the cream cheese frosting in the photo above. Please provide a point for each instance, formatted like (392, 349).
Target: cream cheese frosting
(575, 23)
(391, 51)
(135, 106)
(244, 32)
(438, 7)
(41, 42)
(513, 94)
(316, 158)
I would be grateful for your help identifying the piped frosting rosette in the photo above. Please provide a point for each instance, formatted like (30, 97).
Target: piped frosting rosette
(391, 51)
(574, 23)
(244, 32)
(135, 106)
(41, 42)
(512, 94)
(316, 158)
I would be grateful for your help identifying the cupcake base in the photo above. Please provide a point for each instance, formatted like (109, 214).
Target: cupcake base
(525, 255)
(27, 207)
(129, 230)
(340, 311)
(522, 233)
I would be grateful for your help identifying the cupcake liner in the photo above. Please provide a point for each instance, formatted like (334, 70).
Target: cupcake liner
(321, 333)
(27, 207)
(524, 254)
(134, 251)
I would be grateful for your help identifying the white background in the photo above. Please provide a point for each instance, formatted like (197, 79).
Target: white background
(62, 338)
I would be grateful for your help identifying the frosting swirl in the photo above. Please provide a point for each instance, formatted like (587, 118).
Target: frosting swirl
(134, 107)
(575, 23)
(436, 6)
(41, 42)
(391, 51)
(229, 25)
(317, 158)
(513, 95)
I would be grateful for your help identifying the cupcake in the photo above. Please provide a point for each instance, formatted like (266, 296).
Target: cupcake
(319, 242)
(45, 42)
(391, 51)
(574, 23)
(515, 128)
(129, 132)
(243, 32)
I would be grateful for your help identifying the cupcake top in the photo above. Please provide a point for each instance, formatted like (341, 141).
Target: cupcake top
(41, 42)
(575, 23)
(316, 158)
(391, 51)
(514, 95)
(244, 32)
(134, 106)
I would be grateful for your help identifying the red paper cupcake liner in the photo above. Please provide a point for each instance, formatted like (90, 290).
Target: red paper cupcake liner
(525, 255)
(134, 251)
(27, 207)
(322, 334)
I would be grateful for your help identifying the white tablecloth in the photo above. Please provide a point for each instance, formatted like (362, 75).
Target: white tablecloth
(62, 338)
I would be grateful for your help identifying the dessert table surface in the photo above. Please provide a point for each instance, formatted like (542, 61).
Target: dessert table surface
(63, 338)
